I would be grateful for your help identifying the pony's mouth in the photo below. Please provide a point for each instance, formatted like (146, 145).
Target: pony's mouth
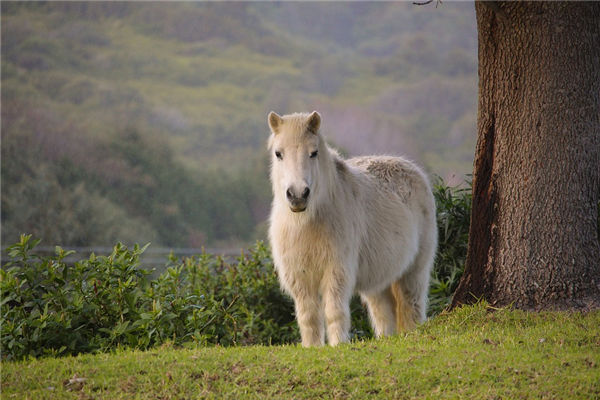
(298, 204)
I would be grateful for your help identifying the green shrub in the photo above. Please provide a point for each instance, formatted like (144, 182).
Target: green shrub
(97, 304)
(51, 308)
(453, 207)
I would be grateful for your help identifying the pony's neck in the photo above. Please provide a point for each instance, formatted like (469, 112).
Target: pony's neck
(333, 167)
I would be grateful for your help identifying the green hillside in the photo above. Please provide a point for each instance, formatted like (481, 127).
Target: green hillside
(146, 121)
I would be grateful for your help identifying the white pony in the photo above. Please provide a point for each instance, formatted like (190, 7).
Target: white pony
(337, 227)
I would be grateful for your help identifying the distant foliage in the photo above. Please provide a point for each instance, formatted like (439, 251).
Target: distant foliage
(133, 180)
(153, 114)
(99, 303)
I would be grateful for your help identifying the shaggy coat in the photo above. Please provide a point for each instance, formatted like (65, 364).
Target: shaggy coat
(337, 227)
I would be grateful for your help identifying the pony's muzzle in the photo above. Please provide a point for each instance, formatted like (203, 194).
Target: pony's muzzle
(297, 203)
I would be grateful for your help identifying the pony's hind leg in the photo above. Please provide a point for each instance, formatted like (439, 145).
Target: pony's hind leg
(381, 312)
(412, 288)
(407, 313)
(411, 291)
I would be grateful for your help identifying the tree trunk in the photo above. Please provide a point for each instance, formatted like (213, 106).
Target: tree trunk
(533, 240)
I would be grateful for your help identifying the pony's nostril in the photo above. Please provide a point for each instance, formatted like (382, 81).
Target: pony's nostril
(289, 194)
(305, 193)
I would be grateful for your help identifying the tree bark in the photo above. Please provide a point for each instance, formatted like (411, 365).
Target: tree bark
(533, 240)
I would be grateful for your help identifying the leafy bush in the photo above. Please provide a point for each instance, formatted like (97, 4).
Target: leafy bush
(453, 206)
(51, 308)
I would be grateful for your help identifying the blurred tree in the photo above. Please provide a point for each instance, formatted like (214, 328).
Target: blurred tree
(34, 200)
(533, 236)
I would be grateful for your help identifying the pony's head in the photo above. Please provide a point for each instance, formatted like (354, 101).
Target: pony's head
(298, 155)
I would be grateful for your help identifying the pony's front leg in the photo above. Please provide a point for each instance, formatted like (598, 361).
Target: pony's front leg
(309, 315)
(337, 292)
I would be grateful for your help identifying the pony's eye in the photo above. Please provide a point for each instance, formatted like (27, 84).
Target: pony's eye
(314, 154)
(278, 155)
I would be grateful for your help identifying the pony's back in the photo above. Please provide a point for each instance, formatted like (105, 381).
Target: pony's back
(400, 214)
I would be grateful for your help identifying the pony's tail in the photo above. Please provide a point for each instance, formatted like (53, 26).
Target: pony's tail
(406, 315)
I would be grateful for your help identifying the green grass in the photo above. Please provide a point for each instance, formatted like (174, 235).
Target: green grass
(473, 352)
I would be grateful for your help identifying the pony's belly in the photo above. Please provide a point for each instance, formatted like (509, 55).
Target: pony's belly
(380, 267)
(374, 280)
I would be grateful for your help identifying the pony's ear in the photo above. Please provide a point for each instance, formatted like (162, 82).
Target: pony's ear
(275, 122)
(314, 122)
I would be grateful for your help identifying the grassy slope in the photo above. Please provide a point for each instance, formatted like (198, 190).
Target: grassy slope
(470, 353)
